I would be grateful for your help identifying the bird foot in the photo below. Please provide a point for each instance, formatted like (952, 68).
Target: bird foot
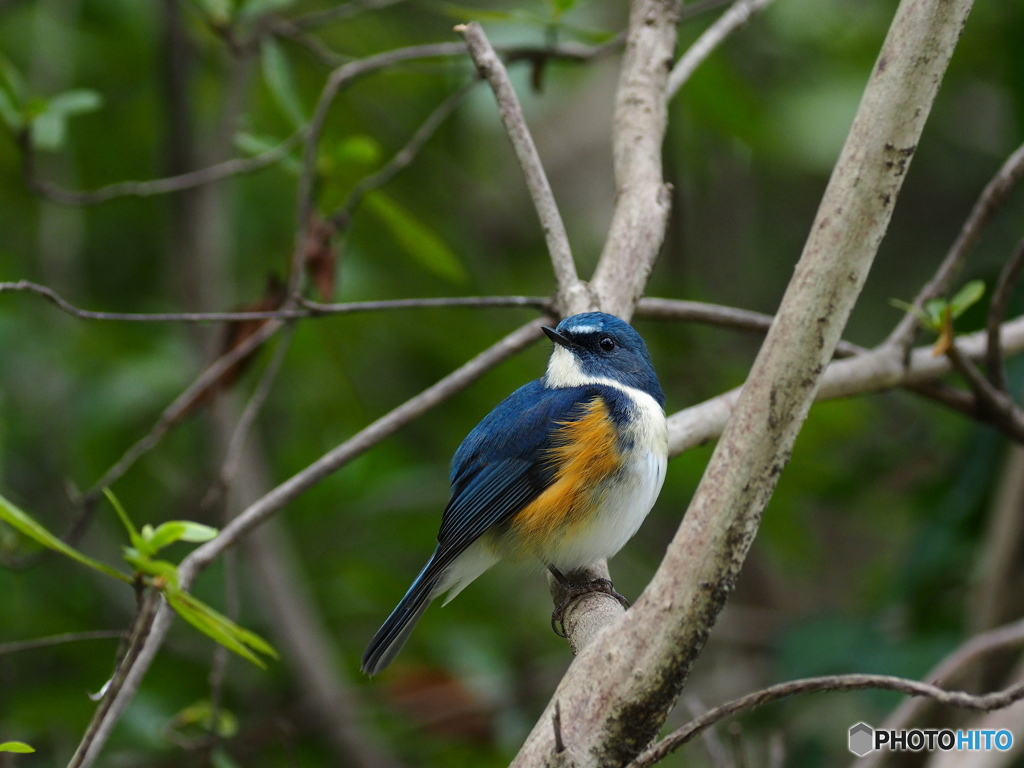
(574, 591)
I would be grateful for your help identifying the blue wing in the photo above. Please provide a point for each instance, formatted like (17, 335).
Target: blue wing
(500, 468)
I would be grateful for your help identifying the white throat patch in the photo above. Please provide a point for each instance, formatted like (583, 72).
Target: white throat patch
(564, 370)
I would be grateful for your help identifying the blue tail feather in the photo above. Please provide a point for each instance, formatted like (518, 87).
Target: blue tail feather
(396, 629)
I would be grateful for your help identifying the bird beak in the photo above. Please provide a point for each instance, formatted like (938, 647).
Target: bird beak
(555, 336)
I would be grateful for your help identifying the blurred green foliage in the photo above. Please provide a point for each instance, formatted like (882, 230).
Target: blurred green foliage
(869, 551)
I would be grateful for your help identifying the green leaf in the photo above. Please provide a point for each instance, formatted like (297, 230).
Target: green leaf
(966, 297)
(10, 113)
(935, 309)
(49, 125)
(416, 238)
(219, 11)
(252, 8)
(77, 102)
(219, 627)
(16, 746)
(48, 131)
(25, 525)
(143, 563)
(202, 715)
(899, 304)
(179, 530)
(137, 541)
(277, 71)
(358, 150)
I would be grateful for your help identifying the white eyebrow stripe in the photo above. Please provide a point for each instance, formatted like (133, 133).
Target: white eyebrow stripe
(584, 329)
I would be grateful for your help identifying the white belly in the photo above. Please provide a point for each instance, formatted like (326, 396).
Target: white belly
(626, 498)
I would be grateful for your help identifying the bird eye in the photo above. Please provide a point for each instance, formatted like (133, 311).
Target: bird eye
(607, 343)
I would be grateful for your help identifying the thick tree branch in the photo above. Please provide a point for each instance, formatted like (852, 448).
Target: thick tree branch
(491, 69)
(638, 130)
(615, 695)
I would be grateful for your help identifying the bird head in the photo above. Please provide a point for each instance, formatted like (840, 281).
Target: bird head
(595, 348)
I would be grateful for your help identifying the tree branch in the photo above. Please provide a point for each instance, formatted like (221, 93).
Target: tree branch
(235, 167)
(997, 312)
(989, 201)
(834, 683)
(734, 18)
(615, 695)
(948, 671)
(277, 498)
(638, 130)
(879, 370)
(491, 69)
(67, 637)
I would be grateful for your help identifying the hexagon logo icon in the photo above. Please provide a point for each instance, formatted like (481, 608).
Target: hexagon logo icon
(862, 739)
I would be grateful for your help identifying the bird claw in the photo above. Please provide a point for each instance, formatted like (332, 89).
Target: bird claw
(574, 591)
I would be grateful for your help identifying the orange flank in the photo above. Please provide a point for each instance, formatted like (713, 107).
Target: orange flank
(586, 454)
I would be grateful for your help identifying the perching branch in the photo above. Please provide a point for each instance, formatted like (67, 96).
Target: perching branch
(615, 695)
(491, 69)
(833, 683)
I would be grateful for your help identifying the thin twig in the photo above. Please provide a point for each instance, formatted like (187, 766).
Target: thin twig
(950, 670)
(235, 167)
(309, 308)
(273, 501)
(997, 407)
(997, 313)
(67, 637)
(233, 454)
(493, 70)
(734, 18)
(179, 407)
(842, 683)
(139, 633)
(989, 201)
(338, 79)
(339, 12)
(403, 157)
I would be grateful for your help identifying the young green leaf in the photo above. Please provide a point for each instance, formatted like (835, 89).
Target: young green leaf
(258, 145)
(76, 102)
(133, 534)
(16, 746)
(935, 309)
(966, 297)
(25, 525)
(219, 627)
(179, 530)
(416, 238)
(277, 71)
(911, 309)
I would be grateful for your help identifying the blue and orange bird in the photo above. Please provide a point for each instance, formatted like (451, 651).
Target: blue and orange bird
(563, 471)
